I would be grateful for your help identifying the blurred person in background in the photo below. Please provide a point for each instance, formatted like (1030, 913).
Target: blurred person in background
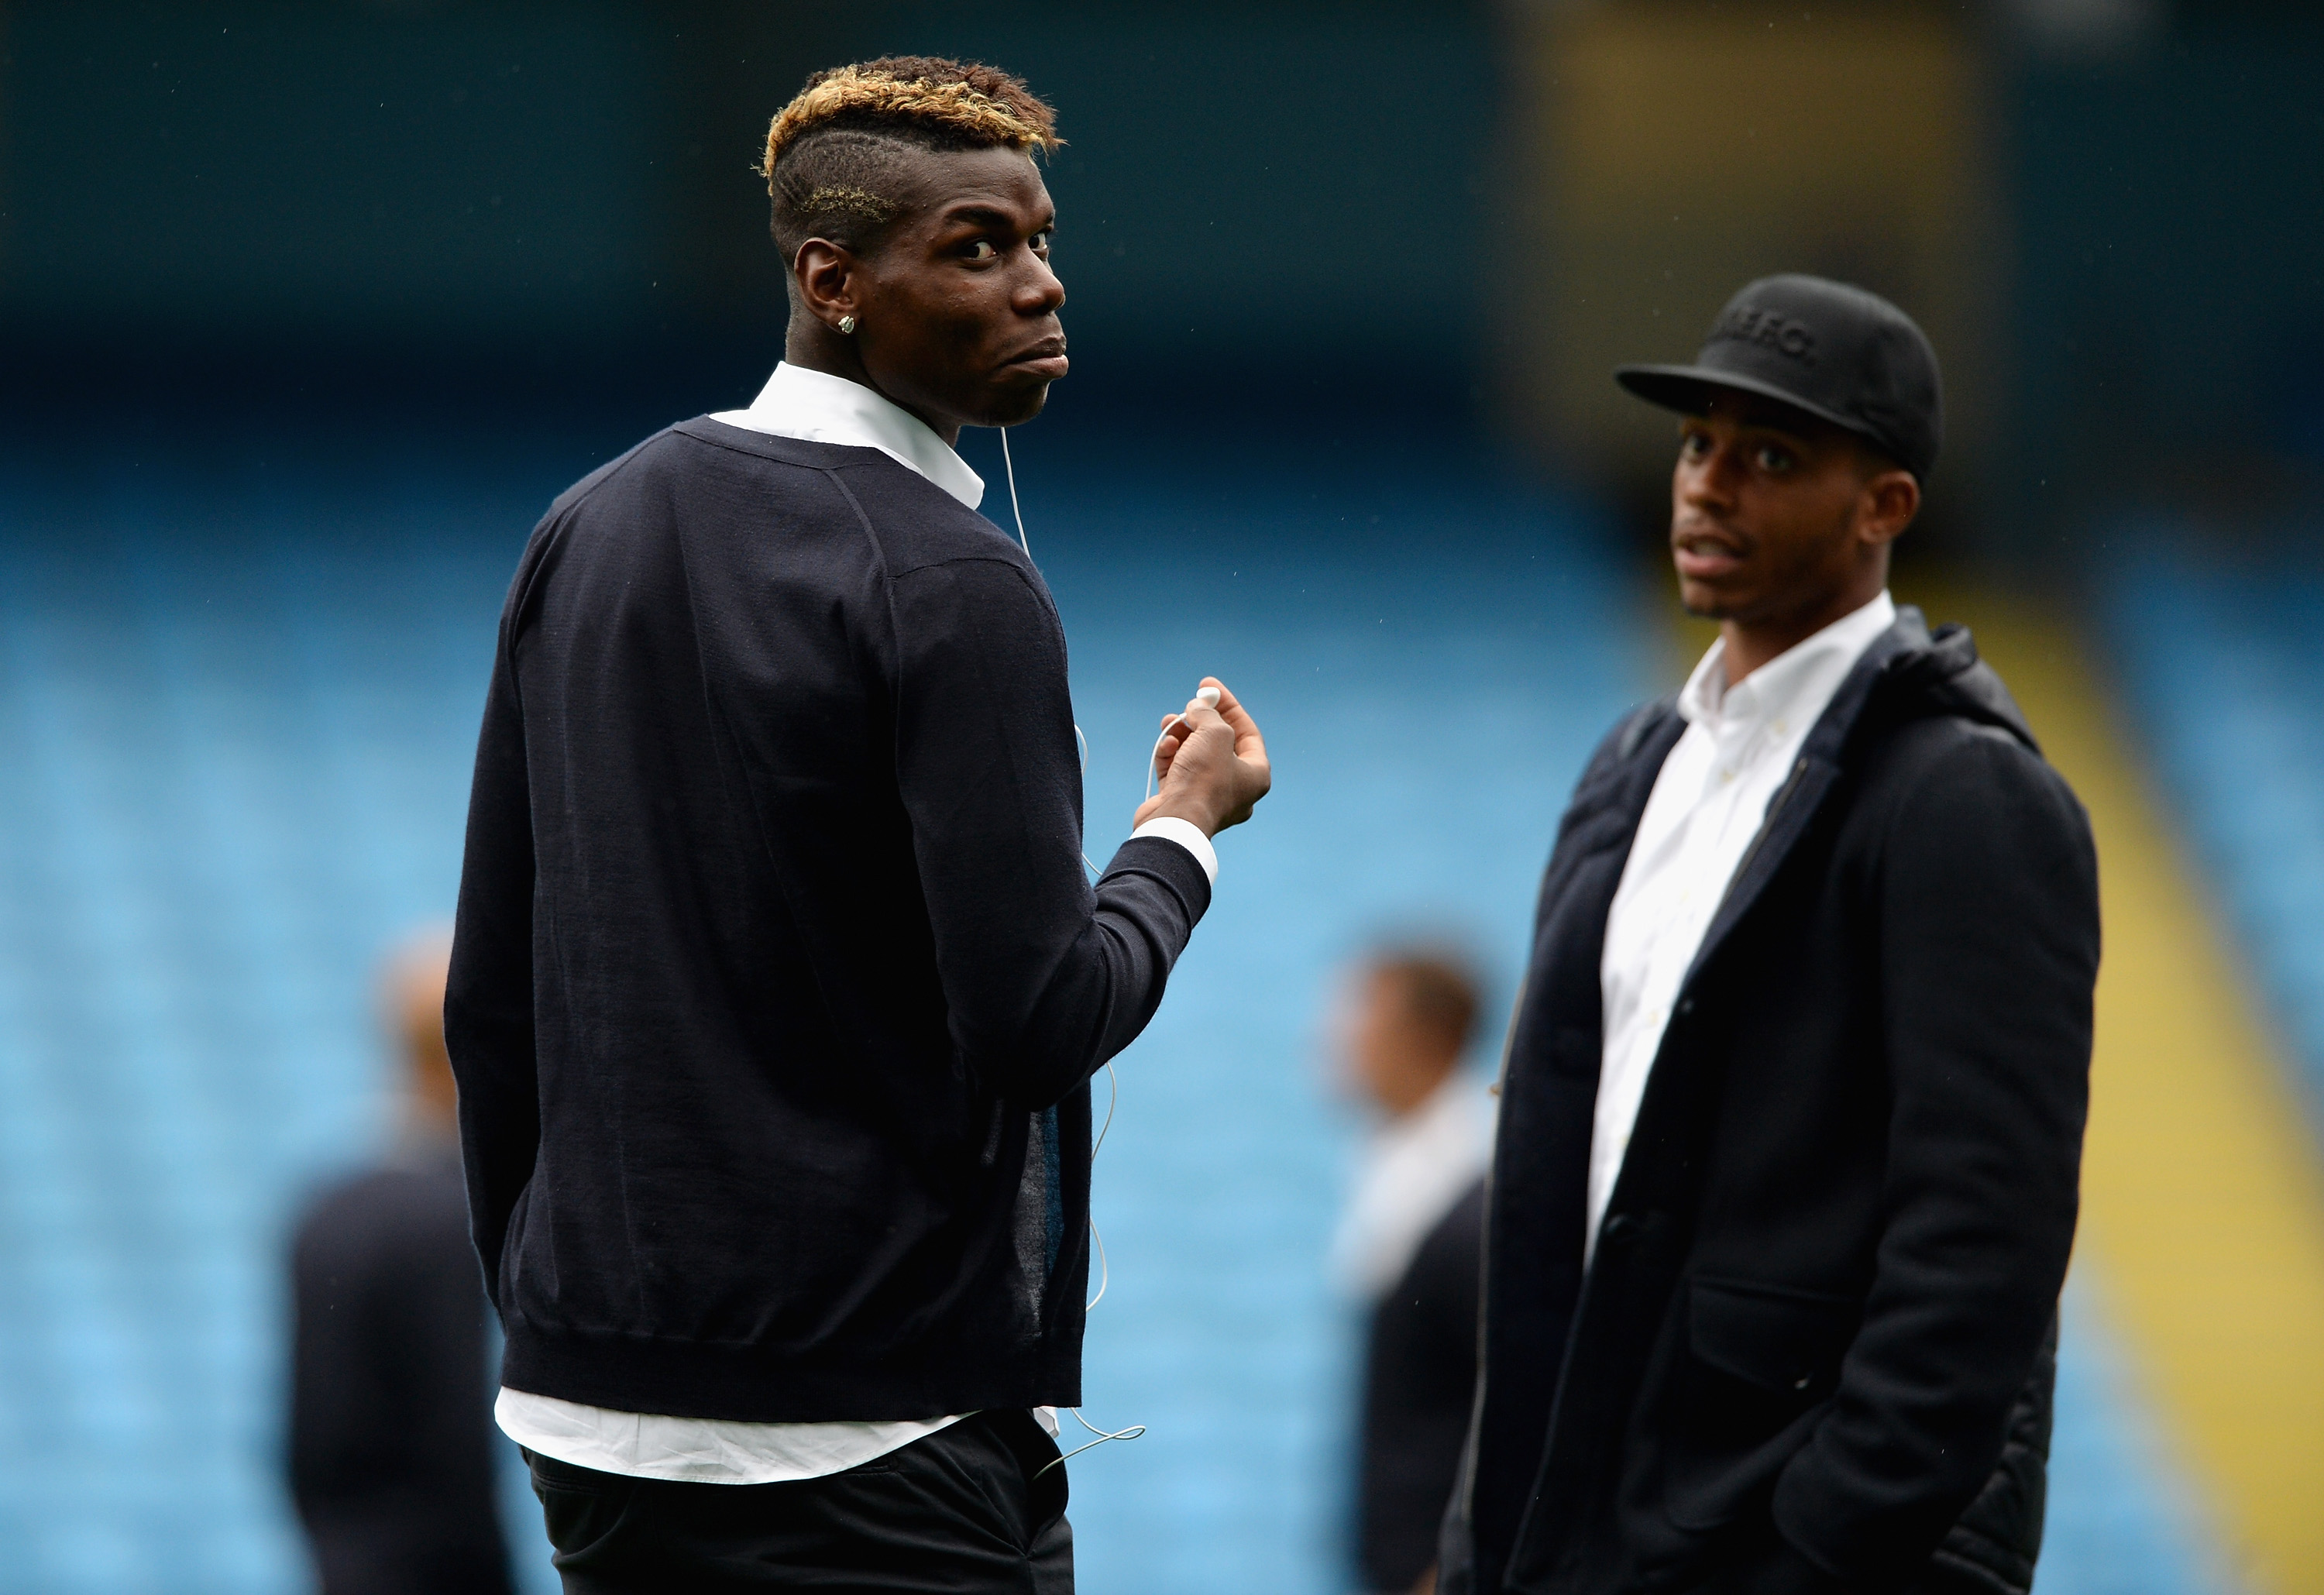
(392, 1442)
(1408, 1250)
(778, 982)
(1791, 1123)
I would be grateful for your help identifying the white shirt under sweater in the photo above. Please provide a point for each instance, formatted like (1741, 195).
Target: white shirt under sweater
(816, 407)
(1708, 803)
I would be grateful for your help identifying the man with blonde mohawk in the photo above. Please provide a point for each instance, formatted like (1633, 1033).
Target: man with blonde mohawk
(778, 983)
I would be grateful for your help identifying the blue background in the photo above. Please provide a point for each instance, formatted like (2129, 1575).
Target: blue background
(239, 705)
(307, 307)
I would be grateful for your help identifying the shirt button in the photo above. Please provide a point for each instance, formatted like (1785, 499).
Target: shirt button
(1686, 1005)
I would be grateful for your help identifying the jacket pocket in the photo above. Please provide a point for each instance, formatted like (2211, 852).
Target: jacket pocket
(1769, 1336)
(1761, 1360)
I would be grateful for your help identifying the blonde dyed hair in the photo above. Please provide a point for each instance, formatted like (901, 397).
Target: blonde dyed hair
(838, 156)
(962, 104)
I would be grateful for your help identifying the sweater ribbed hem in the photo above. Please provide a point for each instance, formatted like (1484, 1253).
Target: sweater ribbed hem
(752, 1385)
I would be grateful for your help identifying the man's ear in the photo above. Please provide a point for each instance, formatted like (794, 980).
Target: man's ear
(827, 280)
(1891, 499)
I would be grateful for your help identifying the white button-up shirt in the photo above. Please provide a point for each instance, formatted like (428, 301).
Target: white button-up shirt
(1709, 801)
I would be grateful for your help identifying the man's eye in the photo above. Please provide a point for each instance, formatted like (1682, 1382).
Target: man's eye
(1041, 243)
(983, 249)
(1772, 458)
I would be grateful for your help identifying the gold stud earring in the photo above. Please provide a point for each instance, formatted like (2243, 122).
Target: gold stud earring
(846, 325)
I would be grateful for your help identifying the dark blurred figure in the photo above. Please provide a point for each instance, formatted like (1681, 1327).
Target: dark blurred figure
(391, 1407)
(1409, 1250)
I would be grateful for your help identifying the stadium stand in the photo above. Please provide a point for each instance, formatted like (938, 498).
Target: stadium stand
(2218, 660)
(236, 716)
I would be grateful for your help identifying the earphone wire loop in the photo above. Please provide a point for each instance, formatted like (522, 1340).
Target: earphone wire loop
(1133, 1432)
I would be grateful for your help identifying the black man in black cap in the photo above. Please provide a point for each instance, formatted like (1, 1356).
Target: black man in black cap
(1791, 1116)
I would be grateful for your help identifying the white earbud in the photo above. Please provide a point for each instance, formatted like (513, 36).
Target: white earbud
(1208, 697)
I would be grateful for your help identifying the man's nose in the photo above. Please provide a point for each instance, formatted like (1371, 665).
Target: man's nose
(1040, 292)
(1710, 478)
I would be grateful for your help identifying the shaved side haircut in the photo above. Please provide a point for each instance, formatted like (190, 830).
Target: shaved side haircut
(834, 155)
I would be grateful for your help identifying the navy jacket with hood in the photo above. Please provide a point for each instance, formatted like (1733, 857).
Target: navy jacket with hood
(1814, 1349)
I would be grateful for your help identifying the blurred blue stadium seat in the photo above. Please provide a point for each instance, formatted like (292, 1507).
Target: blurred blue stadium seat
(235, 714)
(2218, 660)
(2123, 1518)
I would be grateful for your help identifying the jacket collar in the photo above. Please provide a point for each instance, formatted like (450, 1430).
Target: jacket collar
(1905, 674)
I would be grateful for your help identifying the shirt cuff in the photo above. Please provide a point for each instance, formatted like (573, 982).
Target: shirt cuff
(1186, 834)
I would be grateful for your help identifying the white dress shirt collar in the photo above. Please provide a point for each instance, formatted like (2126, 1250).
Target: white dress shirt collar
(817, 407)
(1790, 689)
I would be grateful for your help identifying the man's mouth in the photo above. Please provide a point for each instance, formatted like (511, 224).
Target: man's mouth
(1045, 359)
(1702, 557)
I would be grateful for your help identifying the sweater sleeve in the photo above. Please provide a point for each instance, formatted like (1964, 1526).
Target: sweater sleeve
(1988, 919)
(1043, 978)
(488, 1006)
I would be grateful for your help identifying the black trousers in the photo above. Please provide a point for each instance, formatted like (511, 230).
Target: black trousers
(966, 1510)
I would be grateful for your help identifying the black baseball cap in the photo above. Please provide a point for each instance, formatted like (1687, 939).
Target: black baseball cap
(1832, 349)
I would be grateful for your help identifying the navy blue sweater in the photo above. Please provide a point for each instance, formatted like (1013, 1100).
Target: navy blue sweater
(777, 981)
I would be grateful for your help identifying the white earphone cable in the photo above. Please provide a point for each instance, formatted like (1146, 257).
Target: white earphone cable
(1113, 1101)
(1131, 1433)
(1105, 1273)
(1009, 468)
(1154, 759)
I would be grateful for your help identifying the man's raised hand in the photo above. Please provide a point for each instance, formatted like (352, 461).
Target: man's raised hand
(1213, 763)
